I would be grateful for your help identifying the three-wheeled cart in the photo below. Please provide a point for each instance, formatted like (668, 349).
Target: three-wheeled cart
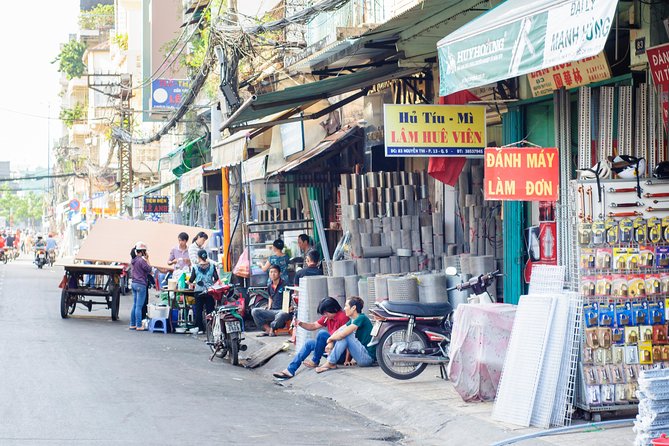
(80, 288)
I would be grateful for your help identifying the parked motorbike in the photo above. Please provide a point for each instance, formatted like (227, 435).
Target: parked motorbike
(3, 255)
(411, 335)
(225, 325)
(40, 257)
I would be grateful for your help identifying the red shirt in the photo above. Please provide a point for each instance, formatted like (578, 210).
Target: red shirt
(333, 324)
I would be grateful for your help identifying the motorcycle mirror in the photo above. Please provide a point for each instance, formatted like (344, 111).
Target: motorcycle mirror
(451, 271)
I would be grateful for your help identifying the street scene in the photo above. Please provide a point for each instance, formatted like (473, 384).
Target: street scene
(404, 222)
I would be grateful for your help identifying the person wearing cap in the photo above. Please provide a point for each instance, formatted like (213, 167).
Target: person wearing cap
(202, 276)
(140, 270)
(196, 245)
(279, 259)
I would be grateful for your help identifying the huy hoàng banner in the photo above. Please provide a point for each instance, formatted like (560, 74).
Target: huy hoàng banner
(434, 130)
(521, 173)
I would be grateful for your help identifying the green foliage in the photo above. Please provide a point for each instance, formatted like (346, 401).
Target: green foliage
(71, 115)
(121, 40)
(70, 59)
(23, 209)
(100, 17)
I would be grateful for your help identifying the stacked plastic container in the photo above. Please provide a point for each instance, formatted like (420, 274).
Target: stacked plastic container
(653, 417)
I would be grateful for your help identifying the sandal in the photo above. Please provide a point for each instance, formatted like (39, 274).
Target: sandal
(132, 327)
(282, 375)
(140, 329)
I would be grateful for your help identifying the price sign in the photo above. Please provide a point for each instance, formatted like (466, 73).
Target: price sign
(156, 205)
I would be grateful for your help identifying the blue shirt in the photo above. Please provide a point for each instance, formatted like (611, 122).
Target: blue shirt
(51, 244)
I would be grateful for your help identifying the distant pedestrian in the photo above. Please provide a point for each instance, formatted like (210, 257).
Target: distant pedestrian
(140, 271)
(202, 276)
(197, 244)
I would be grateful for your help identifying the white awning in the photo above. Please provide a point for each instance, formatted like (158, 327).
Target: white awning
(229, 151)
(254, 168)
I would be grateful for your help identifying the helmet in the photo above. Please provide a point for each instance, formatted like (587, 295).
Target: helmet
(625, 166)
(662, 170)
(140, 246)
(600, 170)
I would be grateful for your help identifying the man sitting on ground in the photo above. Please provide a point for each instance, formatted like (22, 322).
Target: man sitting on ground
(272, 317)
(354, 336)
(332, 318)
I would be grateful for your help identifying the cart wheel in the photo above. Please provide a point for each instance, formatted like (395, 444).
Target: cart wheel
(596, 417)
(64, 304)
(587, 416)
(115, 303)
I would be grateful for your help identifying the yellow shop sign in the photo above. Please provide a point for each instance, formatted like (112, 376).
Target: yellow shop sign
(434, 130)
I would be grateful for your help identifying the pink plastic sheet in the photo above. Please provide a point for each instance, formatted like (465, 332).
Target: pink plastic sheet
(478, 346)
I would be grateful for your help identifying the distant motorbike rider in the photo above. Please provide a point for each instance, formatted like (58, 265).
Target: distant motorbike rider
(51, 246)
(39, 244)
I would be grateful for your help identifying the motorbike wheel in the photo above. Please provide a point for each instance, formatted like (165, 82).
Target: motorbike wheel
(233, 342)
(214, 344)
(389, 342)
(4, 259)
(40, 265)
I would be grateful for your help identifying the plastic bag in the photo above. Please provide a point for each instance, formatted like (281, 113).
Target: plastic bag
(242, 267)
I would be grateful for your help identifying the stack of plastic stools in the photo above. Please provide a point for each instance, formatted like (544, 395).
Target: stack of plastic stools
(158, 324)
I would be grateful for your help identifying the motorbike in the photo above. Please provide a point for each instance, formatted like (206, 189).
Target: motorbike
(40, 257)
(225, 325)
(411, 335)
(4, 255)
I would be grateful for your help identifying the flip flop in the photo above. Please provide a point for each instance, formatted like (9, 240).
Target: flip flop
(140, 329)
(324, 368)
(282, 375)
(262, 335)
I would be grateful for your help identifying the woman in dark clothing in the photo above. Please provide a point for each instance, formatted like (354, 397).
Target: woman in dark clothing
(202, 276)
(140, 270)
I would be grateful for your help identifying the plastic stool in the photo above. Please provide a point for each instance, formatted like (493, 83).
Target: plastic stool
(161, 325)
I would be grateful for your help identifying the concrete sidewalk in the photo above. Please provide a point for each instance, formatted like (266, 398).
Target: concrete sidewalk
(426, 410)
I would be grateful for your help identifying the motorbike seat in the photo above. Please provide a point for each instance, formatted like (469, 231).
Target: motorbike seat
(418, 309)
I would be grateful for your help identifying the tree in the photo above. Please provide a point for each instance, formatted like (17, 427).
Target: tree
(71, 115)
(100, 17)
(25, 209)
(70, 59)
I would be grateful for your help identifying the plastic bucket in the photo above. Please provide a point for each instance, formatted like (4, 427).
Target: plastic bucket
(661, 441)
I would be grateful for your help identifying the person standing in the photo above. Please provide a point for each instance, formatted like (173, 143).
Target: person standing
(197, 244)
(304, 244)
(140, 271)
(202, 276)
(279, 259)
(354, 336)
(332, 318)
(179, 258)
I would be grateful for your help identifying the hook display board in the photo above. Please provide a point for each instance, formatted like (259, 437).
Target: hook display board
(621, 245)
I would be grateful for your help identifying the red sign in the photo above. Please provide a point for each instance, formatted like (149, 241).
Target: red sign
(521, 173)
(658, 59)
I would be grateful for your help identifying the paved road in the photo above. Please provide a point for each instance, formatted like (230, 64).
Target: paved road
(90, 381)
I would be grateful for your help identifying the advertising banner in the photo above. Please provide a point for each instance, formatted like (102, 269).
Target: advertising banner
(569, 75)
(519, 37)
(521, 173)
(156, 205)
(434, 130)
(658, 60)
(168, 93)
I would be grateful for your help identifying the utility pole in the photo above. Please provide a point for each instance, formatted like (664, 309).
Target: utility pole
(119, 86)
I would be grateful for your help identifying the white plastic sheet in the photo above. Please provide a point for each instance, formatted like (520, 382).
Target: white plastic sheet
(478, 348)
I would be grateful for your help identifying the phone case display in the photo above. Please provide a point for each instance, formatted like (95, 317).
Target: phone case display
(623, 275)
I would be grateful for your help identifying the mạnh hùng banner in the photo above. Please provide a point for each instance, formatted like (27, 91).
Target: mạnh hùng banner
(519, 37)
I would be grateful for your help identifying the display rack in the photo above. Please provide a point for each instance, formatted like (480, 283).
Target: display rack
(621, 249)
(267, 232)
